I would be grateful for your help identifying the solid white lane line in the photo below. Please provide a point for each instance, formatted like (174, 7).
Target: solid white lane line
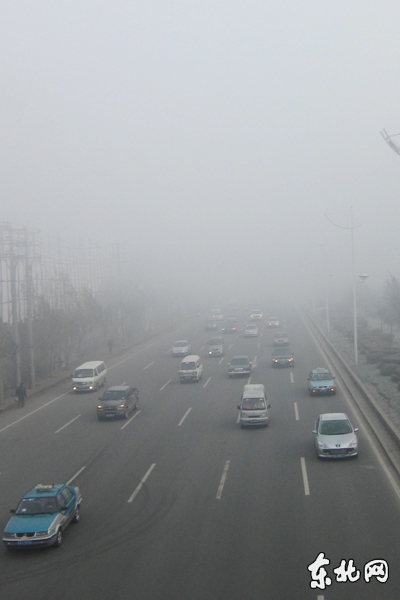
(222, 482)
(34, 411)
(165, 384)
(149, 365)
(221, 360)
(69, 423)
(291, 377)
(230, 347)
(206, 382)
(296, 411)
(139, 487)
(305, 478)
(184, 416)
(76, 475)
(131, 419)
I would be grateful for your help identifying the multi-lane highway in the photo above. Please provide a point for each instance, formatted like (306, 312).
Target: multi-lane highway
(180, 503)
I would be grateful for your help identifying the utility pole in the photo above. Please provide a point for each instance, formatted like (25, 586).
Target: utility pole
(14, 316)
(29, 312)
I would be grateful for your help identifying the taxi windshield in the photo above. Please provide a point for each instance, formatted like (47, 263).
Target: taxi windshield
(37, 506)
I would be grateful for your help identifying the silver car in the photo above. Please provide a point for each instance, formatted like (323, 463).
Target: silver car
(251, 330)
(335, 436)
(216, 347)
(180, 348)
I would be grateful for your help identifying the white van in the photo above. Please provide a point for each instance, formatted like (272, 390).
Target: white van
(253, 406)
(89, 376)
(190, 368)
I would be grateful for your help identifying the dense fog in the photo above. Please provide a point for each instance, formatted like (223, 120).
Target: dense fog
(218, 142)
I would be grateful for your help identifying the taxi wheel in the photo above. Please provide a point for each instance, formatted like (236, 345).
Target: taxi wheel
(58, 541)
(77, 516)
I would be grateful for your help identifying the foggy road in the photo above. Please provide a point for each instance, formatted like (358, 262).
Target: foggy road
(179, 502)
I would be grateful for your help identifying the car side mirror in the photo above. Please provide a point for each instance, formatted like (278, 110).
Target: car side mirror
(238, 407)
(12, 510)
(356, 429)
(308, 378)
(268, 406)
(333, 377)
(314, 431)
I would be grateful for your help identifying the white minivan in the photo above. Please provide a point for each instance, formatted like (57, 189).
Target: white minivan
(253, 405)
(89, 376)
(190, 368)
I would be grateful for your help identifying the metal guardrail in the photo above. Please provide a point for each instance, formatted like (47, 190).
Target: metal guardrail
(371, 402)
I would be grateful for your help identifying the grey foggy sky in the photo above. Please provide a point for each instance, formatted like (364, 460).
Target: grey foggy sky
(209, 136)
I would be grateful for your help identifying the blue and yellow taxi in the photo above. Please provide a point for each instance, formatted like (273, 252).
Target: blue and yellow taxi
(321, 382)
(42, 515)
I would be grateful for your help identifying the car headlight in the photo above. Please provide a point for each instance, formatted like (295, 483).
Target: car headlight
(99, 406)
(10, 535)
(322, 445)
(42, 533)
(353, 443)
(264, 414)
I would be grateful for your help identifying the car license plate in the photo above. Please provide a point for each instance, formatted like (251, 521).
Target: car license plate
(24, 543)
(238, 370)
(254, 421)
(109, 416)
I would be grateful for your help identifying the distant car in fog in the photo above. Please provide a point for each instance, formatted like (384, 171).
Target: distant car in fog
(210, 326)
(256, 314)
(229, 326)
(283, 357)
(273, 322)
(321, 382)
(180, 348)
(240, 365)
(281, 338)
(251, 330)
(215, 347)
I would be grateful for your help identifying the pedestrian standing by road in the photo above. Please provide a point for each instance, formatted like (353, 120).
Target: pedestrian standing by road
(20, 393)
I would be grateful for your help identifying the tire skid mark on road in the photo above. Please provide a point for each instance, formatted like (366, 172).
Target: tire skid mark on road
(69, 423)
(223, 478)
(142, 481)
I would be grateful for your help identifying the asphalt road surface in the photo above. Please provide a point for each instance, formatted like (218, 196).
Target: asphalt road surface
(180, 503)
